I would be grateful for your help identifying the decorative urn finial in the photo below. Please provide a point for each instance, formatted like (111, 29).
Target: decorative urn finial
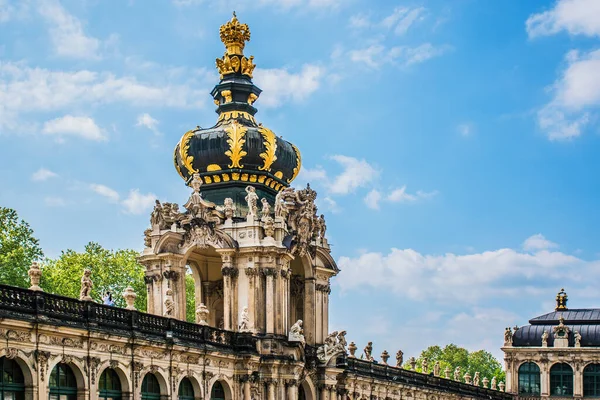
(561, 301)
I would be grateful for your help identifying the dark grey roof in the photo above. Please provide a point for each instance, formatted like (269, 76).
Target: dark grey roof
(584, 321)
(581, 316)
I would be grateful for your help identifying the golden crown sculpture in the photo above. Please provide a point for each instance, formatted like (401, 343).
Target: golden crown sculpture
(234, 36)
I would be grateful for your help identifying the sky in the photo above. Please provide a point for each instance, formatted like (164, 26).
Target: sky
(453, 145)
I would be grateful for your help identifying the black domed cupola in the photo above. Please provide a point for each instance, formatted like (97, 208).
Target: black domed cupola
(236, 151)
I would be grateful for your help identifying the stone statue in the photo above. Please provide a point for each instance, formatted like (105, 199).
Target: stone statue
(269, 226)
(169, 305)
(577, 339)
(244, 325)
(545, 339)
(399, 359)
(280, 208)
(476, 379)
(156, 217)
(467, 378)
(334, 343)
(35, 273)
(202, 313)
(494, 384)
(86, 285)
(385, 356)
(447, 372)
(228, 208)
(147, 238)
(352, 349)
(322, 226)
(266, 208)
(508, 337)
(485, 382)
(457, 374)
(436, 368)
(252, 201)
(296, 332)
(413, 363)
(424, 366)
(129, 296)
(341, 339)
(367, 351)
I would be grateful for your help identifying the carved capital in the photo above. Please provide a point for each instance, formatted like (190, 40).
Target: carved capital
(252, 272)
(268, 272)
(323, 288)
(171, 275)
(285, 273)
(229, 271)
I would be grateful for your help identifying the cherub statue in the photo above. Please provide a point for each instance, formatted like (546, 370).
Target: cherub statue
(341, 340)
(86, 285)
(296, 332)
(424, 366)
(577, 339)
(494, 384)
(252, 200)
(244, 325)
(228, 208)
(322, 226)
(476, 379)
(507, 337)
(367, 351)
(169, 305)
(413, 363)
(545, 339)
(457, 374)
(436, 368)
(399, 359)
(266, 208)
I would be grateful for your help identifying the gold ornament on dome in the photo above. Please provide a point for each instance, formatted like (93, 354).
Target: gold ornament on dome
(230, 64)
(298, 164)
(184, 146)
(236, 133)
(270, 148)
(234, 36)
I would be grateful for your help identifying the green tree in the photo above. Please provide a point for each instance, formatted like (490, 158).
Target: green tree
(111, 271)
(18, 249)
(190, 301)
(453, 356)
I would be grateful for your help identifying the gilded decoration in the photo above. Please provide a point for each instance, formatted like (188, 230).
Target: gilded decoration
(270, 148)
(298, 164)
(227, 115)
(235, 138)
(227, 95)
(231, 64)
(234, 35)
(184, 146)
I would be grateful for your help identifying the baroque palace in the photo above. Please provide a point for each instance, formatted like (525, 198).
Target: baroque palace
(262, 266)
(557, 355)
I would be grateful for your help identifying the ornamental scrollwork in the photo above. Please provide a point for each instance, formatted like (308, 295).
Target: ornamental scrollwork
(236, 133)
(270, 143)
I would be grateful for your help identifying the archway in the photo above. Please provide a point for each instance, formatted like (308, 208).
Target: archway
(186, 390)
(109, 385)
(561, 380)
(297, 296)
(62, 383)
(591, 380)
(12, 380)
(529, 379)
(150, 387)
(204, 266)
(306, 391)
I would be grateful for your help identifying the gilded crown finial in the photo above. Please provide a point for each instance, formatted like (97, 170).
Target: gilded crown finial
(234, 35)
(561, 300)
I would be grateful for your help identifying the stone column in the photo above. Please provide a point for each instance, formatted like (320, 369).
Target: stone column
(309, 310)
(247, 388)
(292, 389)
(332, 393)
(323, 392)
(284, 284)
(271, 389)
(544, 380)
(578, 380)
(229, 273)
(251, 274)
(269, 311)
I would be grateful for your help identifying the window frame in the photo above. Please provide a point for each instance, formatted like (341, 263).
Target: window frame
(533, 378)
(562, 375)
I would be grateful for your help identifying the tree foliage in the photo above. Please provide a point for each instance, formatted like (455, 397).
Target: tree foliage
(111, 271)
(18, 249)
(453, 356)
(190, 301)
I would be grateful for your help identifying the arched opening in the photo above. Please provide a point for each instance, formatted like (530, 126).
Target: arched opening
(186, 390)
(561, 380)
(150, 387)
(12, 381)
(305, 392)
(217, 392)
(301, 395)
(297, 297)
(529, 379)
(591, 380)
(204, 268)
(109, 386)
(62, 385)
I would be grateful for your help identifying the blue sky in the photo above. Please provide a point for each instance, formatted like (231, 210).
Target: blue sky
(453, 144)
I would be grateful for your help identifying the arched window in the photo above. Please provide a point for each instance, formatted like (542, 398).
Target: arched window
(63, 385)
(12, 383)
(591, 380)
(110, 385)
(150, 388)
(529, 379)
(217, 392)
(301, 394)
(561, 380)
(186, 390)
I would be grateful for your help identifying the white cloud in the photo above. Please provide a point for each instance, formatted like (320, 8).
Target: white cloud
(376, 55)
(372, 199)
(491, 274)
(148, 122)
(577, 17)
(400, 195)
(10, 10)
(576, 94)
(52, 201)
(298, 85)
(105, 191)
(69, 125)
(359, 21)
(26, 90)
(137, 203)
(465, 129)
(66, 32)
(538, 242)
(402, 18)
(356, 173)
(43, 174)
